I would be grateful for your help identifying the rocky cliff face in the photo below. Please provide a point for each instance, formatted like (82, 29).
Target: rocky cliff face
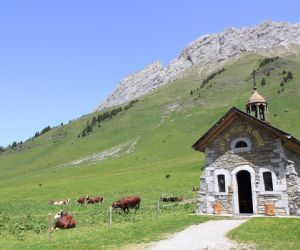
(205, 50)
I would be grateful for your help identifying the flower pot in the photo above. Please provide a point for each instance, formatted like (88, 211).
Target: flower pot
(217, 208)
(269, 209)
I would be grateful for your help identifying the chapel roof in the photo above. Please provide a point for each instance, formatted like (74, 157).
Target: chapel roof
(256, 98)
(287, 139)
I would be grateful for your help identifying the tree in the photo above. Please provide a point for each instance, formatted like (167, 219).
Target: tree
(191, 92)
(89, 128)
(283, 72)
(289, 76)
(45, 130)
(263, 82)
(14, 144)
(94, 120)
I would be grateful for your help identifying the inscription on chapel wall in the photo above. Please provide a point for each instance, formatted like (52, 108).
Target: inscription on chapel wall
(232, 132)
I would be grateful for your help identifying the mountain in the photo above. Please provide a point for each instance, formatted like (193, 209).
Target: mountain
(203, 52)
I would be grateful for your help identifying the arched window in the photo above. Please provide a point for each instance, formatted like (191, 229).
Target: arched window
(268, 182)
(241, 144)
(221, 183)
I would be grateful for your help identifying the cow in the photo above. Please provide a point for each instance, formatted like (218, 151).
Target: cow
(171, 199)
(61, 202)
(127, 202)
(64, 220)
(83, 200)
(93, 200)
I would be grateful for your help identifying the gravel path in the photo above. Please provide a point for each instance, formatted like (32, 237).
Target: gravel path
(208, 235)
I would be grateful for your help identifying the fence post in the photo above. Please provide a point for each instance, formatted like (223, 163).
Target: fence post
(158, 209)
(110, 216)
(49, 226)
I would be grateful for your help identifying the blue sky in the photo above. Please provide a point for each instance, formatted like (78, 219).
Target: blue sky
(60, 58)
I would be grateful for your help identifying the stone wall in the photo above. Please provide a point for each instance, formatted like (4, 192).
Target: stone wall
(265, 153)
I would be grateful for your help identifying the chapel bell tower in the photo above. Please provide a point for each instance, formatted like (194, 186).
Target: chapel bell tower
(256, 105)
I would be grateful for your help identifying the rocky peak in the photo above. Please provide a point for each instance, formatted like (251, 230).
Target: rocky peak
(205, 50)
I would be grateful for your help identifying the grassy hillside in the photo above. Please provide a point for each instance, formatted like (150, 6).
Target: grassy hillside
(145, 143)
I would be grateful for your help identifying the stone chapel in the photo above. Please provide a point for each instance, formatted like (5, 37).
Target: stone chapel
(248, 164)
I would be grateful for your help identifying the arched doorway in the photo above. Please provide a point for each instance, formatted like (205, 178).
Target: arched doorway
(245, 199)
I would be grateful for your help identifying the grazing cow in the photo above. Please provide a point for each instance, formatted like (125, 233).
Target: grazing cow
(83, 200)
(64, 220)
(171, 199)
(93, 200)
(61, 202)
(127, 202)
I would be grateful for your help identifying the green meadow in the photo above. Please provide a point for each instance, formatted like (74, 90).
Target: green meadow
(131, 154)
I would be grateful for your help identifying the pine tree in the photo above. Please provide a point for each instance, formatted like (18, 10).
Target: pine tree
(263, 82)
(289, 76)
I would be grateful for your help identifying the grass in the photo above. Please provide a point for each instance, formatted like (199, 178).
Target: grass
(30, 178)
(93, 232)
(269, 233)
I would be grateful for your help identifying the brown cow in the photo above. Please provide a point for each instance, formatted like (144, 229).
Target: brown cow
(171, 199)
(64, 220)
(127, 202)
(93, 200)
(83, 200)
